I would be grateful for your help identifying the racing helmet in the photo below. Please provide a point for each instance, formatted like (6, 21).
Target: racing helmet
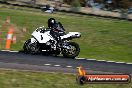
(51, 22)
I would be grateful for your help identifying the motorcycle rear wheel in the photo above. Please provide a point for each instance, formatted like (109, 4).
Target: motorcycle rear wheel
(26, 47)
(30, 48)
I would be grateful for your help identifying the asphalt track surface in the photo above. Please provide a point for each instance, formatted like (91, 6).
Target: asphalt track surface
(21, 61)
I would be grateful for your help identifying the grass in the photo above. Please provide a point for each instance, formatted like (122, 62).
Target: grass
(104, 39)
(22, 79)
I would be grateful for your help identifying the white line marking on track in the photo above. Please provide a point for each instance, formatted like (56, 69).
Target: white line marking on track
(110, 61)
(9, 51)
(119, 62)
(128, 63)
(5, 50)
(47, 64)
(80, 58)
(101, 60)
(69, 66)
(56, 65)
(14, 51)
(90, 59)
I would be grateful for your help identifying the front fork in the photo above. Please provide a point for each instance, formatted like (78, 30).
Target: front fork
(65, 45)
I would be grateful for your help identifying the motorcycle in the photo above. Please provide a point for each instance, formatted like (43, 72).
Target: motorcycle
(43, 41)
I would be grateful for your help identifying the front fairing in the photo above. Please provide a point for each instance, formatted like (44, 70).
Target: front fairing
(71, 35)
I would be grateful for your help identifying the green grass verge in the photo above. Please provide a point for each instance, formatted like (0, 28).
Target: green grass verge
(22, 79)
(102, 38)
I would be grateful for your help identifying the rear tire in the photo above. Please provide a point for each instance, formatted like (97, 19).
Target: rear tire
(26, 47)
(34, 49)
(71, 51)
(30, 48)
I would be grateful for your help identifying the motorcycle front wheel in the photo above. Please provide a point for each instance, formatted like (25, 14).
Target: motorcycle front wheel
(71, 50)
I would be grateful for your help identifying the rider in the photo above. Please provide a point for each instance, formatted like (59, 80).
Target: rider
(56, 29)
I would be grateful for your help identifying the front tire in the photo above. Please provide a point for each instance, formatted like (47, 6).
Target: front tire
(71, 51)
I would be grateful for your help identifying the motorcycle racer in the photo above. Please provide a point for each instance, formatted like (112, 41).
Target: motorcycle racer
(56, 29)
(53, 40)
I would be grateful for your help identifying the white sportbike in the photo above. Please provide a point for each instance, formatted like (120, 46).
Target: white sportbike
(43, 41)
